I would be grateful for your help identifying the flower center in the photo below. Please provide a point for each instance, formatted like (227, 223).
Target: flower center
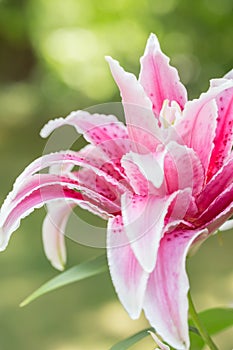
(169, 114)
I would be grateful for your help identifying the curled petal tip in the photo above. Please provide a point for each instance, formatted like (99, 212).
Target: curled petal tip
(60, 267)
(111, 60)
(108, 58)
(49, 127)
(114, 66)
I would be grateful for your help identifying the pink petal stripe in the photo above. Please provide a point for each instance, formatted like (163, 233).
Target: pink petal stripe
(159, 79)
(105, 131)
(142, 126)
(144, 222)
(166, 304)
(128, 277)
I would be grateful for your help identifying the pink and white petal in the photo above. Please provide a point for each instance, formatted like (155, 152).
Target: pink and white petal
(220, 136)
(160, 81)
(42, 188)
(181, 209)
(109, 166)
(30, 184)
(166, 303)
(144, 222)
(144, 171)
(224, 131)
(11, 217)
(38, 181)
(218, 211)
(87, 178)
(72, 158)
(197, 128)
(26, 206)
(182, 169)
(105, 131)
(53, 231)
(129, 279)
(141, 123)
(214, 225)
(218, 183)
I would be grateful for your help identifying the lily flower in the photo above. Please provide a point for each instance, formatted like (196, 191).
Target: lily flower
(163, 182)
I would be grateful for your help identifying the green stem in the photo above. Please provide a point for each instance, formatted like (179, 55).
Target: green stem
(198, 324)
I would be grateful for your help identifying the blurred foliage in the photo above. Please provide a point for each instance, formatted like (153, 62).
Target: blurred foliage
(51, 62)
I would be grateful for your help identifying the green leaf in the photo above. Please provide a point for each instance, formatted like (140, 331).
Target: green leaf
(84, 270)
(215, 321)
(128, 342)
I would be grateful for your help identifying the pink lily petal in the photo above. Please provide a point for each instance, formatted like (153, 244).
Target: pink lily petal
(40, 189)
(166, 304)
(53, 231)
(182, 169)
(72, 158)
(127, 275)
(224, 131)
(219, 210)
(215, 224)
(144, 222)
(33, 201)
(37, 181)
(87, 178)
(219, 182)
(110, 166)
(160, 81)
(201, 123)
(182, 207)
(105, 131)
(141, 124)
(194, 120)
(145, 172)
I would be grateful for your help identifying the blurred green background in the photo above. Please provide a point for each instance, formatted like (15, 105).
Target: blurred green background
(51, 62)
